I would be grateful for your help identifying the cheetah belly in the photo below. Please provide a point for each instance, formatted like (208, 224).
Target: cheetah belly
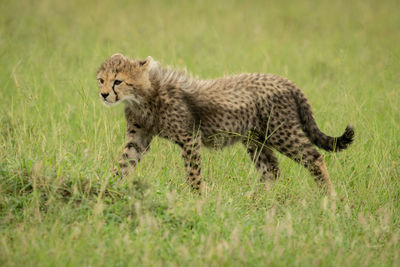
(218, 133)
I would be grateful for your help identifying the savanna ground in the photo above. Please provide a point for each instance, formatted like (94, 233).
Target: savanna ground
(59, 204)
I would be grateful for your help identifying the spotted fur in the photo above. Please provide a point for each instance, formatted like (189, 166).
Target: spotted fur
(263, 111)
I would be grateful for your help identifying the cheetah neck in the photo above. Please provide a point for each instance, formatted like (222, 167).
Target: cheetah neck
(165, 77)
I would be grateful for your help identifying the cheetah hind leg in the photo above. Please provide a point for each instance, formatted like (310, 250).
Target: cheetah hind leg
(321, 176)
(301, 150)
(266, 163)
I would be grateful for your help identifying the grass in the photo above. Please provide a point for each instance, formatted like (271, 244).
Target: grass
(59, 204)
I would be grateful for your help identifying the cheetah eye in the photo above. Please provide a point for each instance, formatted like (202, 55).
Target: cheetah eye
(100, 80)
(117, 82)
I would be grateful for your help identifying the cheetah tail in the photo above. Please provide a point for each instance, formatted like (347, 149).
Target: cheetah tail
(315, 135)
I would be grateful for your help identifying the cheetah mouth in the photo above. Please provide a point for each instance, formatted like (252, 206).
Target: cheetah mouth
(127, 99)
(108, 103)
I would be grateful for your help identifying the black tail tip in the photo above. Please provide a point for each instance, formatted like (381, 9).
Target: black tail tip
(346, 139)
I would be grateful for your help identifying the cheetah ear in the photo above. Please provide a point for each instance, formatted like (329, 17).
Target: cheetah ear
(148, 63)
(118, 55)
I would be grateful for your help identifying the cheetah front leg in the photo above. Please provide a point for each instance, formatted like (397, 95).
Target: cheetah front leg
(138, 143)
(192, 159)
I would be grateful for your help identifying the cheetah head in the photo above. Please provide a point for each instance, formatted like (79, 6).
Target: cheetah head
(122, 79)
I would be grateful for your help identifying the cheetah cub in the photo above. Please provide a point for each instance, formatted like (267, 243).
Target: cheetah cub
(263, 111)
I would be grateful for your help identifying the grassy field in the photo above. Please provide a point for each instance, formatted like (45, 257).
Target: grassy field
(59, 204)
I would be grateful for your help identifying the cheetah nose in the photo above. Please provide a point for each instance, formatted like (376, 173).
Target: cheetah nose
(104, 95)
